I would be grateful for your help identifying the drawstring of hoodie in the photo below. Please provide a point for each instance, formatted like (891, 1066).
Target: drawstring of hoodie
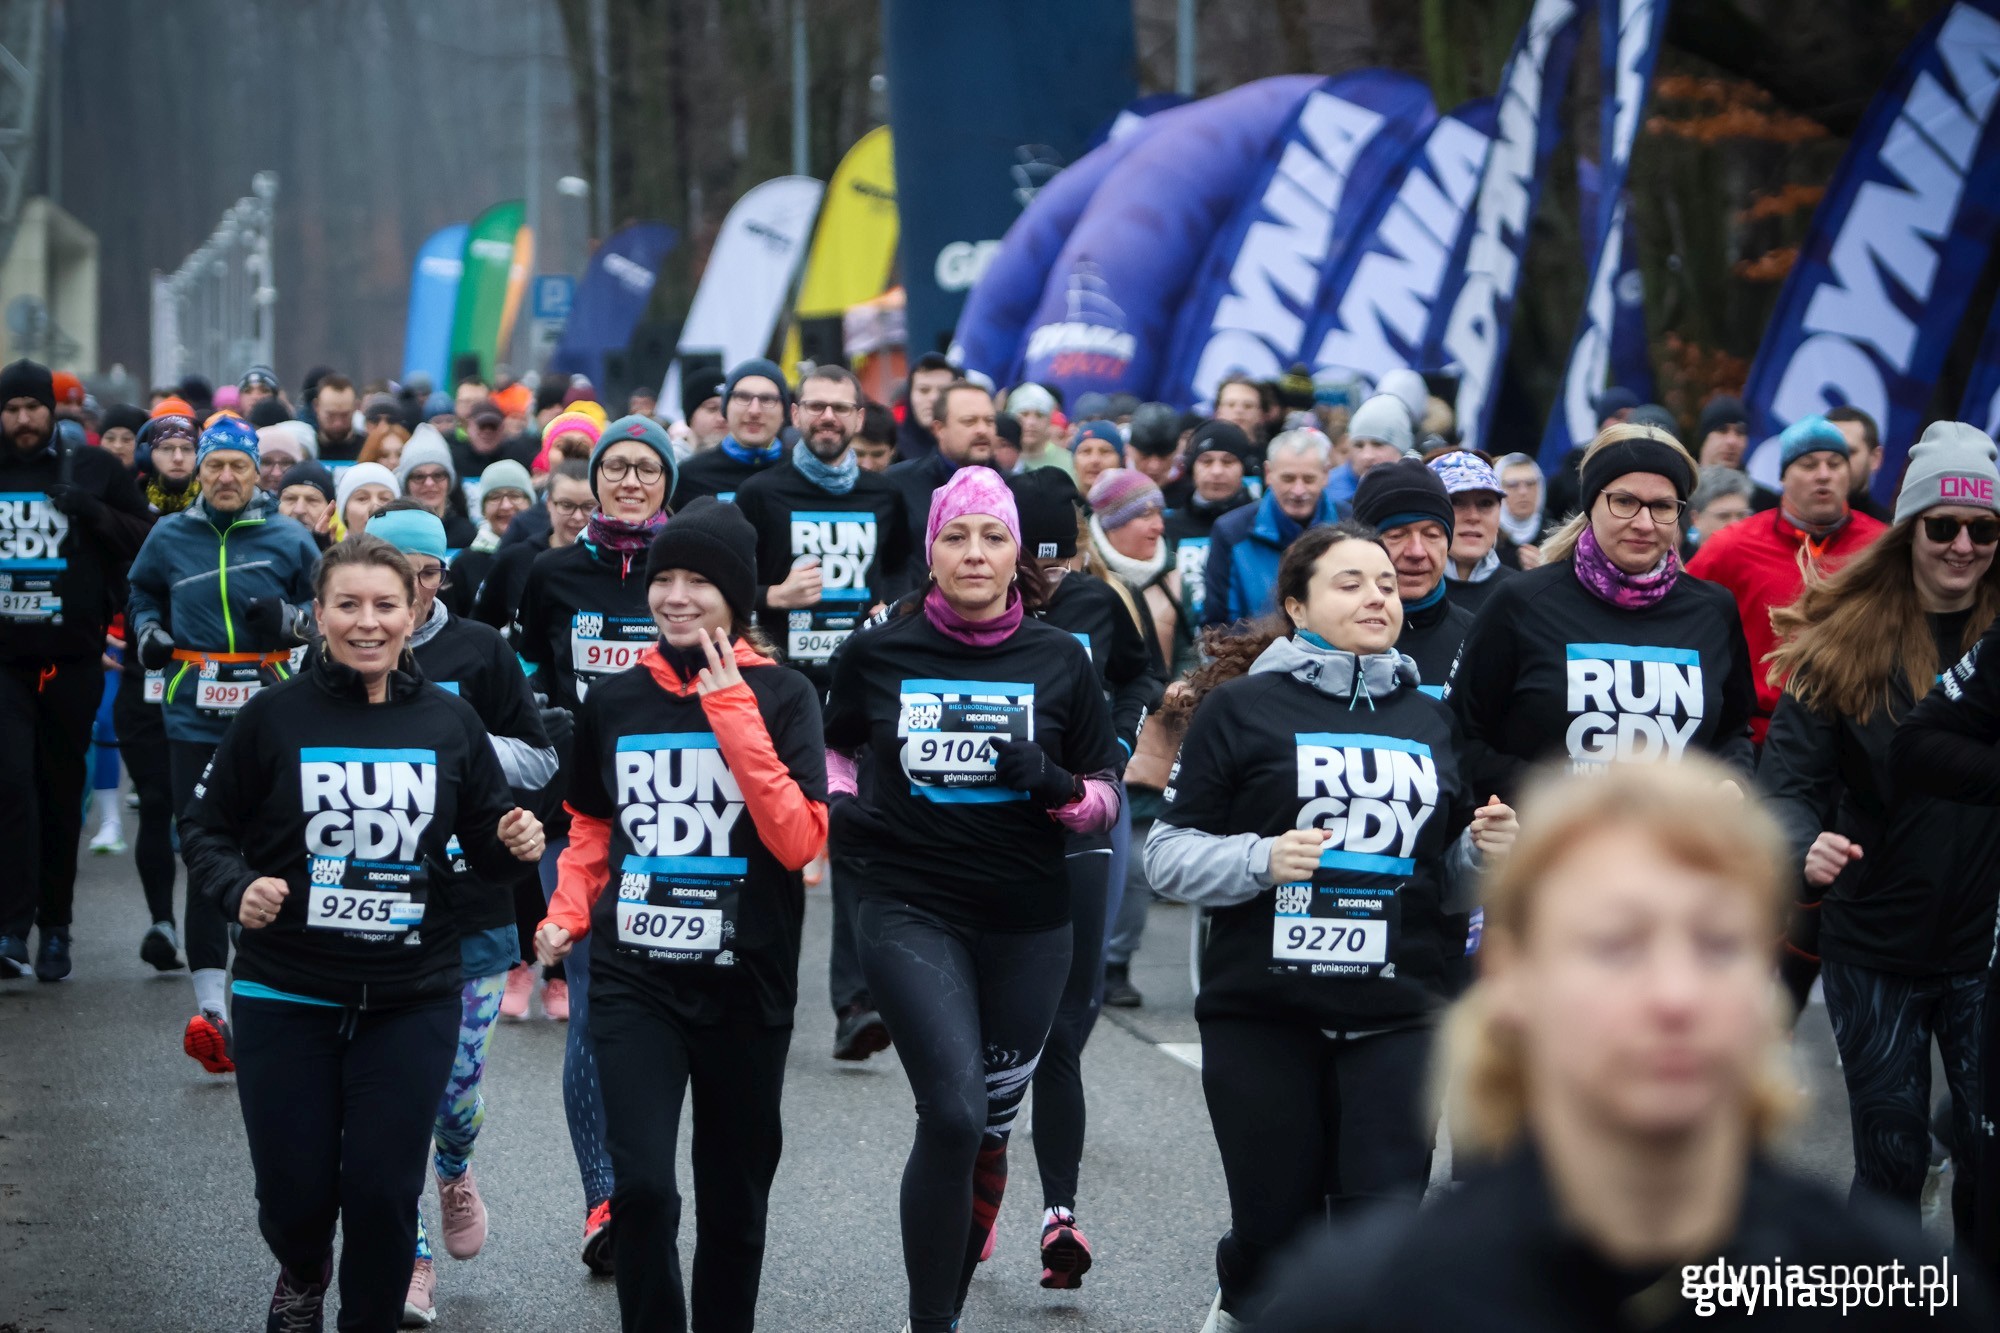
(1360, 693)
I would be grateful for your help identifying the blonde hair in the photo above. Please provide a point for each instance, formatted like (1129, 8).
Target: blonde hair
(1561, 544)
(1683, 810)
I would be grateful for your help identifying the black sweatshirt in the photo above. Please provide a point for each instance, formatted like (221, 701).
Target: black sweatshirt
(1551, 669)
(1366, 945)
(472, 661)
(1432, 637)
(583, 618)
(923, 704)
(1920, 900)
(1095, 616)
(1949, 745)
(862, 542)
(497, 602)
(61, 579)
(352, 804)
(713, 472)
(1495, 1255)
(649, 762)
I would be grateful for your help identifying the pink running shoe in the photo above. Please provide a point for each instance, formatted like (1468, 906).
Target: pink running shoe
(464, 1216)
(555, 1000)
(1065, 1253)
(520, 989)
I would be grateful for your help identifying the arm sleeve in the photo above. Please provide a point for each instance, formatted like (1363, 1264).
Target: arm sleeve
(533, 642)
(126, 519)
(751, 501)
(1093, 812)
(1945, 747)
(490, 607)
(1798, 772)
(1481, 690)
(1732, 743)
(846, 719)
(211, 828)
(1215, 583)
(843, 775)
(146, 590)
(1135, 690)
(790, 819)
(523, 748)
(483, 799)
(1207, 869)
(582, 871)
(893, 566)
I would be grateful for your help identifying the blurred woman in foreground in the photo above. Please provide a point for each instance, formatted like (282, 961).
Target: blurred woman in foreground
(1620, 1066)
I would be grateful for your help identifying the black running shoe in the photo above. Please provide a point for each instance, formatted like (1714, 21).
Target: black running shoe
(299, 1306)
(52, 959)
(860, 1033)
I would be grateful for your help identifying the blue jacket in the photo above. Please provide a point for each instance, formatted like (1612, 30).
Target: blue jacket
(194, 579)
(1244, 548)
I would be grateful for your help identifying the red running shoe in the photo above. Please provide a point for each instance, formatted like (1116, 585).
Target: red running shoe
(1065, 1253)
(207, 1040)
(597, 1240)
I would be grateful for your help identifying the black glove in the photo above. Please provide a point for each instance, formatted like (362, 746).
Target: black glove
(71, 499)
(1025, 766)
(853, 826)
(270, 617)
(557, 725)
(155, 648)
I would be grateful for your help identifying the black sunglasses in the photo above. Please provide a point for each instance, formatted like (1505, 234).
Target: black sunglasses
(1943, 529)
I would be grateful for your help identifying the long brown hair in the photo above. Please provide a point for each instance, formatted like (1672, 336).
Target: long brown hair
(1852, 632)
(1230, 650)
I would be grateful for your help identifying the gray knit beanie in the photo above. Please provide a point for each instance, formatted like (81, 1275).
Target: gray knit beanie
(1952, 465)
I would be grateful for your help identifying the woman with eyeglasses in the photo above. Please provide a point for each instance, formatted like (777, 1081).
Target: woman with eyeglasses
(1905, 925)
(1609, 651)
(584, 619)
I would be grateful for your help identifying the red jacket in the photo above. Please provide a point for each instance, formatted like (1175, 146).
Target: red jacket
(1762, 562)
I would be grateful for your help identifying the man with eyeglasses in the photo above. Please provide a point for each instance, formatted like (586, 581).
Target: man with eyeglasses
(1762, 560)
(221, 594)
(69, 520)
(754, 402)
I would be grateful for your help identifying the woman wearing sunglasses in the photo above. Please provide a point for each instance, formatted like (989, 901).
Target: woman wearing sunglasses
(1610, 651)
(1904, 879)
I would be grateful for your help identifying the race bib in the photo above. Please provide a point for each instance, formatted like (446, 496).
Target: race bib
(222, 688)
(363, 911)
(1334, 931)
(30, 606)
(812, 636)
(32, 532)
(1191, 563)
(949, 728)
(601, 645)
(678, 809)
(155, 687)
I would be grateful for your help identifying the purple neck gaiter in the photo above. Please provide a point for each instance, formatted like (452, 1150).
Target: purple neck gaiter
(978, 633)
(1633, 592)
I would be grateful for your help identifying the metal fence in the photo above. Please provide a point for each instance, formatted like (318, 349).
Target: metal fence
(212, 315)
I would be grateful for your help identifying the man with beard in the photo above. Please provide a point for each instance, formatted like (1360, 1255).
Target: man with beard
(965, 424)
(221, 594)
(832, 543)
(754, 401)
(70, 519)
(333, 408)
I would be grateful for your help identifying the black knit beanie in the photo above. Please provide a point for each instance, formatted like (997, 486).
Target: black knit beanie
(714, 540)
(122, 415)
(1393, 494)
(1047, 501)
(28, 379)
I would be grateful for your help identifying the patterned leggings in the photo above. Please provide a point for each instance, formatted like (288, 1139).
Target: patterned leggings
(462, 1110)
(1883, 1023)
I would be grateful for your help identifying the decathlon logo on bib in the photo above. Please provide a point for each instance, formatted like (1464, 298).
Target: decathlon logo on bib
(1372, 793)
(845, 545)
(1628, 702)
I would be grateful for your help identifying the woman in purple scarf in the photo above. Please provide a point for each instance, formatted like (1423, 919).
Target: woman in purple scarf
(1610, 651)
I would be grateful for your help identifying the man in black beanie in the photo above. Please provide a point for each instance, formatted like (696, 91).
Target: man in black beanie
(70, 525)
(1408, 505)
(755, 401)
(1219, 457)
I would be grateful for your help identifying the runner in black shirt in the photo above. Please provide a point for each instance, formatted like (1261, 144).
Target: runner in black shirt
(989, 739)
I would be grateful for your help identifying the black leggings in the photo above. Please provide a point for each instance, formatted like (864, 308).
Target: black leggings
(142, 744)
(206, 933)
(968, 1010)
(1059, 1108)
(45, 715)
(306, 1076)
(647, 1061)
(1301, 1118)
(1883, 1023)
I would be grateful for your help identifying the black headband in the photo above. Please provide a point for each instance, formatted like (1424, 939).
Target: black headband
(1643, 454)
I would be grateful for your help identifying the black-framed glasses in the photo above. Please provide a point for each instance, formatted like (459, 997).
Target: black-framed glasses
(1624, 504)
(614, 469)
(430, 476)
(569, 508)
(813, 409)
(432, 578)
(761, 399)
(1944, 528)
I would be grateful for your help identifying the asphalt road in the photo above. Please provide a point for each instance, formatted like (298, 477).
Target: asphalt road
(126, 1200)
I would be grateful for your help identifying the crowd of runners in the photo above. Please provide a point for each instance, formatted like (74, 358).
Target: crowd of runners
(1534, 805)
